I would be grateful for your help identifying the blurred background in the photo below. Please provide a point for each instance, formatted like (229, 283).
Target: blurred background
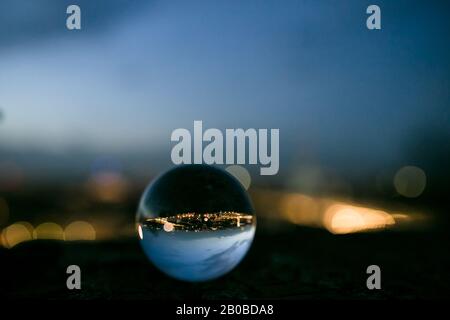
(364, 119)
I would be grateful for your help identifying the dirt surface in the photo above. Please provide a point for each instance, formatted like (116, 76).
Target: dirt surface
(292, 263)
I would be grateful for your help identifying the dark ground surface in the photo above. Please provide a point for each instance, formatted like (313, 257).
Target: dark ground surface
(295, 263)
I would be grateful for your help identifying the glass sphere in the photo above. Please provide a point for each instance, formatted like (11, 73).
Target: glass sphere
(195, 222)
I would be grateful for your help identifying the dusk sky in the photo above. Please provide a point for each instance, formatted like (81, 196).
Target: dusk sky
(138, 70)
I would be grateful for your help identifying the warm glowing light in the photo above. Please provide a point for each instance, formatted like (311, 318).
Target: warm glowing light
(79, 230)
(48, 230)
(27, 225)
(168, 227)
(141, 234)
(400, 216)
(108, 187)
(4, 211)
(346, 220)
(343, 218)
(410, 181)
(302, 210)
(15, 234)
(2, 239)
(240, 173)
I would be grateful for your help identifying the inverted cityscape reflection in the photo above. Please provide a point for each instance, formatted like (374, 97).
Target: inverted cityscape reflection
(198, 247)
(195, 222)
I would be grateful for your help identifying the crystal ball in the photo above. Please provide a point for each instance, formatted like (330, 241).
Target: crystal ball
(195, 222)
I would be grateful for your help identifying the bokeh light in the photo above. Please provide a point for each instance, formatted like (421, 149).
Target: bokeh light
(301, 209)
(344, 218)
(49, 230)
(15, 234)
(79, 230)
(27, 225)
(240, 173)
(23, 231)
(338, 216)
(410, 181)
(108, 187)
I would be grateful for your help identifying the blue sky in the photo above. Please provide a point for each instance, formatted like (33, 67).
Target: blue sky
(138, 70)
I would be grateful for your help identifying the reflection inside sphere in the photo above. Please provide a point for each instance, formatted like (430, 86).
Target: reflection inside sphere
(196, 222)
